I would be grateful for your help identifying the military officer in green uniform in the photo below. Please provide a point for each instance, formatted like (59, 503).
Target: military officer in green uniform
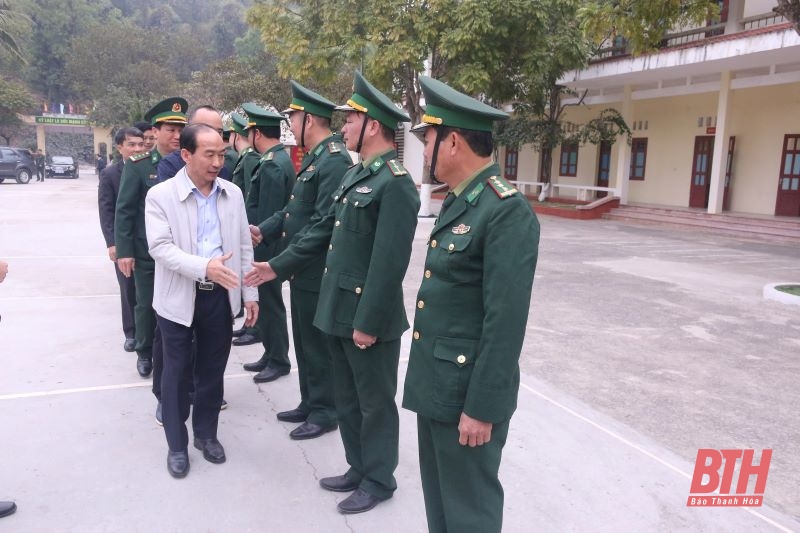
(368, 235)
(168, 117)
(231, 155)
(243, 171)
(269, 191)
(472, 308)
(321, 172)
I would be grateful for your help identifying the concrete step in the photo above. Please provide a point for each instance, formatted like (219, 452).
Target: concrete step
(740, 226)
(785, 222)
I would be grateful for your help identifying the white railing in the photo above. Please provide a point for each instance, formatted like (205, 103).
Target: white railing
(527, 187)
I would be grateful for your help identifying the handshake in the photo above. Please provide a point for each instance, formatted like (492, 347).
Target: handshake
(261, 272)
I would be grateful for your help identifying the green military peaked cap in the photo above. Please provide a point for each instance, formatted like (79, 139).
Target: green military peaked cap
(169, 111)
(367, 99)
(444, 106)
(307, 100)
(238, 124)
(258, 116)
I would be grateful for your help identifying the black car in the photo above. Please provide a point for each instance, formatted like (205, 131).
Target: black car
(16, 163)
(61, 166)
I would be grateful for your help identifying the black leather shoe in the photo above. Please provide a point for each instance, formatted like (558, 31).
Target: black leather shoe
(269, 374)
(213, 451)
(310, 431)
(178, 464)
(130, 345)
(238, 332)
(7, 508)
(159, 416)
(338, 484)
(358, 502)
(257, 366)
(295, 415)
(246, 340)
(144, 366)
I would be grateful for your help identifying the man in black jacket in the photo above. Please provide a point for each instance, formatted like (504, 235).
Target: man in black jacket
(129, 142)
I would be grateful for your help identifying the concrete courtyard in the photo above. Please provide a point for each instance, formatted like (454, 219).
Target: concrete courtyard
(644, 344)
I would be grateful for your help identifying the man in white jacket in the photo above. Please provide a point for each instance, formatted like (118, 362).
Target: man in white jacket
(198, 235)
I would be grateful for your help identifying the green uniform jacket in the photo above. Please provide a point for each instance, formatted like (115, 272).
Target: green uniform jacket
(320, 176)
(245, 168)
(138, 175)
(368, 233)
(269, 191)
(472, 305)
(231, 157)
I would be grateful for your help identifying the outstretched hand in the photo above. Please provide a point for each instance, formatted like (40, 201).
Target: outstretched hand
(217, 272)
(261, 273)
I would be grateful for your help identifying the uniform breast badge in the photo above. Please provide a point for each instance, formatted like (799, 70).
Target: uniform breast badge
(364, 190)
(461, 229)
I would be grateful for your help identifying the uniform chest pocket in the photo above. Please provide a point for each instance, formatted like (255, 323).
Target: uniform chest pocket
(357, 215)
(455, 244)
(150, 180)
(305, 189)
(452, 369)
(457, 258)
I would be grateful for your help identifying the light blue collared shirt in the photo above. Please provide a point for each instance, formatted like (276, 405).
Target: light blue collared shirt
(209, 236)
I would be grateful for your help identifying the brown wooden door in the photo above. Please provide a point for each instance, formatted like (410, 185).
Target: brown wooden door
(726, 197)
(701, 171)
(788, 201)
(603, 167)
(510, 168)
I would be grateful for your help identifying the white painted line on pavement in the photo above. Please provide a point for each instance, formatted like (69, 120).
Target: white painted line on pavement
(26, 257)
(68, 297)
(60, 392)
(641, 450)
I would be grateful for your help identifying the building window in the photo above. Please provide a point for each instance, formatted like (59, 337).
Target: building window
(569, 159)
(638, 158)
(510, 168)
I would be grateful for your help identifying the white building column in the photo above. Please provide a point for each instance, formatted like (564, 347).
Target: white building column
(719, 161)
(622, 174)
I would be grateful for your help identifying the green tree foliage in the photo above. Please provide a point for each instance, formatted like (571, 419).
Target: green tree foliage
(54, 24)
(116, 67)
(643, 23)
(14, 99)
(791, 10)
(10, 22)
(389, 39)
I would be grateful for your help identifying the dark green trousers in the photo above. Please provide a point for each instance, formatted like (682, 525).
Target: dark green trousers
(314, 367)
(365, 384)
(144, 316)
(272, 325)
(462, 491)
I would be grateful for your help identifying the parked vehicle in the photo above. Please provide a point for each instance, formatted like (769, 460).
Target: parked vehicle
(61, 166)
(16, 163)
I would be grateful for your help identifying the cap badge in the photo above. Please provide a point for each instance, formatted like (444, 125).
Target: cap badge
(461, 229)
(364, 190)
(176, 107)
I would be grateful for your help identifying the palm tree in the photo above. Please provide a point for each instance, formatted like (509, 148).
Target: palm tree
(8, 16)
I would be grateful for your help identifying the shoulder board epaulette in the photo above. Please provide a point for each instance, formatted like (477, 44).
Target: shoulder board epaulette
(334, 147)
(268, 156)
(396, 168)
(501, 187)
(139, 157)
